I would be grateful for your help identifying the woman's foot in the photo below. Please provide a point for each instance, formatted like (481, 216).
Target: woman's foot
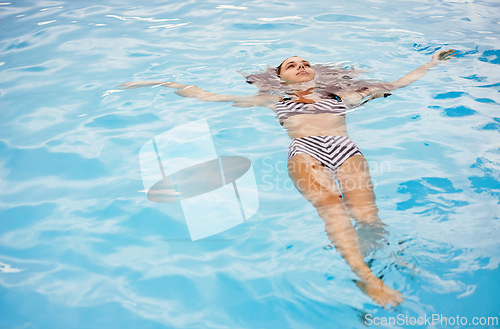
(380, 293)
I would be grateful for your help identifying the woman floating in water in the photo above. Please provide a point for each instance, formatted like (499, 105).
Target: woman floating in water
(310, 103)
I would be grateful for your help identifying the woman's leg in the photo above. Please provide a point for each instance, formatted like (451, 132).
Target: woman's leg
(317, 185)
(357, 189)
(356, 186)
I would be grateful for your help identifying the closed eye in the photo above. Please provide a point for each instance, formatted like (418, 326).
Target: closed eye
(292, 64)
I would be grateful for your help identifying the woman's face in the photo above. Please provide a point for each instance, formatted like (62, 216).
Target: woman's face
(296, 69)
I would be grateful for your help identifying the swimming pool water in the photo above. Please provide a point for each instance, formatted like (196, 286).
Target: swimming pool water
(82, 247)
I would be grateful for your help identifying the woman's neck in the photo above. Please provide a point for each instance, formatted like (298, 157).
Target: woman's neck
(303, 92)
(304, 96)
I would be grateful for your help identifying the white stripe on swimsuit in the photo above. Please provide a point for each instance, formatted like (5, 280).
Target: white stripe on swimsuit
(330, 151)
(286, 109)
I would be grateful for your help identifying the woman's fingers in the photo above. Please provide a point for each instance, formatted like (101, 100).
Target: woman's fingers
(443, 56)
(446, 55)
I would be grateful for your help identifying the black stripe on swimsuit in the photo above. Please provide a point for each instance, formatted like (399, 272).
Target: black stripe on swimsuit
(330, 151)
(286, 109)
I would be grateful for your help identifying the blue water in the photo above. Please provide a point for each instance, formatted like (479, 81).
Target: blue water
(82, 247)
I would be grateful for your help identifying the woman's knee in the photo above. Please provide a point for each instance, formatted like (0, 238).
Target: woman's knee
(327, 200)
(320, 194)
(365, 212)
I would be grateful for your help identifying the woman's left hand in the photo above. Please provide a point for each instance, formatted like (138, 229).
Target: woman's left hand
(443, 56)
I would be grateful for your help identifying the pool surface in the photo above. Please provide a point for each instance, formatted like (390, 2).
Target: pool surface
(82, 245)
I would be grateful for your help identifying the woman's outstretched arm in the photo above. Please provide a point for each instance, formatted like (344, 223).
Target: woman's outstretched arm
(384, 89)
(203, 95)
(437, 58)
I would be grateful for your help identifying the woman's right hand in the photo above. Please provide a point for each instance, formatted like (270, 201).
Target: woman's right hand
(138, 84)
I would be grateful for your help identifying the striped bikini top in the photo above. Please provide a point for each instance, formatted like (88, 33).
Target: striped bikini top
(286, 109)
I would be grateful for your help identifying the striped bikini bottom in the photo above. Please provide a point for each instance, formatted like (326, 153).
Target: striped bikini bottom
(331, 151)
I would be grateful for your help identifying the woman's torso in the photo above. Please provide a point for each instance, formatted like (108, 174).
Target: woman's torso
(324, 117)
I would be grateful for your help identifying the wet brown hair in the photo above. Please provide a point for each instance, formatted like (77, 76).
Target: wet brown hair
(330, 80)
(278, 69)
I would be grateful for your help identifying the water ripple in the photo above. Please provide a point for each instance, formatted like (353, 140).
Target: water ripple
(78, 236)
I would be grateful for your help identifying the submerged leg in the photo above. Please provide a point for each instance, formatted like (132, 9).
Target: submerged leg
(357, 188)
(318, 186)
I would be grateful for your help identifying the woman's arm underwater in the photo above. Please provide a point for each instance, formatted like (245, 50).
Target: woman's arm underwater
(354, 98)
(203, 95)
